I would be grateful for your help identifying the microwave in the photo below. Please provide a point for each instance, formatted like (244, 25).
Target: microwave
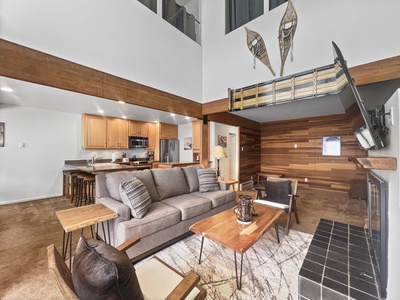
(138, 142)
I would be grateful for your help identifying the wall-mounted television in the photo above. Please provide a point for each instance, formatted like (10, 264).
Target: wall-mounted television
(371, 134)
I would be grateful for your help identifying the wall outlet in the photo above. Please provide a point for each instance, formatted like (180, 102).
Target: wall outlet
(306, 179)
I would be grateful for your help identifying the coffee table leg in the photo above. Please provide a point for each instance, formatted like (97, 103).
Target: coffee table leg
(70, 251)
(64, 247)
(277, 232)
(201, 248)
(239, 280)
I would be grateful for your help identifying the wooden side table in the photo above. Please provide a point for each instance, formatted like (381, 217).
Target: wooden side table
(81, 217)
(228, 183)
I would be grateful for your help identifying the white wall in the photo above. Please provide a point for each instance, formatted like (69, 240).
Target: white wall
(228, 63)
(222, 129)
(122, 37)
(50, 137)
(184, 130)
(394, 191)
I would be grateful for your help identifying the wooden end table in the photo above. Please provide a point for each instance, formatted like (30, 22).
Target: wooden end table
(224, 229)
(81, 217)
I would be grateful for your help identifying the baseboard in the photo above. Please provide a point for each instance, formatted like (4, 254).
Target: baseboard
(29, 199)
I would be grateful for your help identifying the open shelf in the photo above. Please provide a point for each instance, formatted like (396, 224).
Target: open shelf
(377, 163)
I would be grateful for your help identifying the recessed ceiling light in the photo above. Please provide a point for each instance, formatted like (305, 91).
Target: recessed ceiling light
(100, 111)
(6, 89)
(187, 118)
(123, 117)
(155, 121)
(121, 102)
(172, 115)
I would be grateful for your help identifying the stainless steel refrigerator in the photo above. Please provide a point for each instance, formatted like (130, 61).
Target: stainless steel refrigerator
(169, 151)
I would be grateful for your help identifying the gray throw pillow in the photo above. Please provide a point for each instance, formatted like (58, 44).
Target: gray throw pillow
(135, 195)
(102, 272)
(191, 177)
(207, 180)
(278, 191)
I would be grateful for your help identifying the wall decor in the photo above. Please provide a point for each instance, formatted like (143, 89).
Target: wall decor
(1, 134)
(187, 143)
(287, 29)
(222, 140)
(331, 145)
(257, 47)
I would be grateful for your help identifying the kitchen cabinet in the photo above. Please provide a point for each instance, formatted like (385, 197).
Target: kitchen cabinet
(168, 131)
(137, 128)
(117, 133)
(94, 132)
(152, 136)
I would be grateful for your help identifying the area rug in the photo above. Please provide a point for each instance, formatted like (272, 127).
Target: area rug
(269, 269)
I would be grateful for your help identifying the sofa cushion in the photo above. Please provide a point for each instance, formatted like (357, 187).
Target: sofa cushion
(189, 205)
(102, 272)
(135, 195)
(191, 177)
(158, 217)
(147, 178)
(170, 182)
(218, 198)
(114, 179)
(207, 180)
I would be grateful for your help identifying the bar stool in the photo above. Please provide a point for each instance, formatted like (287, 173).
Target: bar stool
(89, 188)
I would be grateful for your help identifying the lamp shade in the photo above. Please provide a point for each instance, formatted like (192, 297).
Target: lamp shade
(218, 152)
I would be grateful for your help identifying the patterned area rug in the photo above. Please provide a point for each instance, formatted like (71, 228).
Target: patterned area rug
(269, 269)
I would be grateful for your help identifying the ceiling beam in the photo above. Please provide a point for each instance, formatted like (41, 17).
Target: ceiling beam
(22, 63)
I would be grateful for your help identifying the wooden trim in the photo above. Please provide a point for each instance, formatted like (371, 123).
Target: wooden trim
(377, 71)
(217, 106)
(22, 63)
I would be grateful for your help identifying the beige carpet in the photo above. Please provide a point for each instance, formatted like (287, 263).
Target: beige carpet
(27, 229)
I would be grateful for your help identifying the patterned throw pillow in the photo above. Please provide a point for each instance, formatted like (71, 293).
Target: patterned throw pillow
(135, 195)
(207, 180)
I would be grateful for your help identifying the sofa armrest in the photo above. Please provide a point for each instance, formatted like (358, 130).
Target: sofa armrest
(123, 211)
(223, 186)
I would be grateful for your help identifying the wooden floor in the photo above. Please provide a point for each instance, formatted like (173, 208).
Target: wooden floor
(26, 229)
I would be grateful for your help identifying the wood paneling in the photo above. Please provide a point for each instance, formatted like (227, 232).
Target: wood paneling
(278, 154)
(26, 64)
(377, 71)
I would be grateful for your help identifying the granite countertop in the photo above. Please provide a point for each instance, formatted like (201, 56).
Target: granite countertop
(180, 163)
(102, 167)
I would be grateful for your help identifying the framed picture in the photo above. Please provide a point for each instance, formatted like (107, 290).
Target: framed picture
(187, 143)
(222, 141)
(331, 145)
(1, 134)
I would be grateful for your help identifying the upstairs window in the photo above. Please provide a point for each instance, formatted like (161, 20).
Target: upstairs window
(275, 3)
(150, 4)
(240, 12)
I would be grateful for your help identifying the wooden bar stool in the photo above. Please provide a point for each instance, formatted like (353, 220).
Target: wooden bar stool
(88, 188)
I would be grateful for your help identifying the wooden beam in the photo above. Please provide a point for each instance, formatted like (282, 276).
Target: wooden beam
(233, 120)
(22, 63)
(377, 71)
(216, 106)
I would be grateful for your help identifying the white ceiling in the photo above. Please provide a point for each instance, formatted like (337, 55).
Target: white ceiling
(44, 97)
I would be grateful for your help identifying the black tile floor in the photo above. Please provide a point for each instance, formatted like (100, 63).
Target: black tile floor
(338, 265)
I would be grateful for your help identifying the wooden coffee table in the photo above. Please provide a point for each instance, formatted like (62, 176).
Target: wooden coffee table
(225, 230)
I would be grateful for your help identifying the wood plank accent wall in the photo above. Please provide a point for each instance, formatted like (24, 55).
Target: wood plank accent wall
(278, 154)
(26, 64)
(249, 156)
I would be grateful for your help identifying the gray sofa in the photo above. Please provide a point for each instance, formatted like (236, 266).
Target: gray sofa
(176, 204)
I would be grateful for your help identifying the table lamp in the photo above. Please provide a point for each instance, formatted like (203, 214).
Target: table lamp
(218, 152)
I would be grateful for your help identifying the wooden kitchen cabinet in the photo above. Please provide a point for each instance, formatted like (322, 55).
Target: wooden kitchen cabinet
(152, 137)
(117, 133)
(94, 132)
(168, 131)
(137, 128)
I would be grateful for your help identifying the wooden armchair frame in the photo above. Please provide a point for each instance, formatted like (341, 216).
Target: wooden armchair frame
(62, 277)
